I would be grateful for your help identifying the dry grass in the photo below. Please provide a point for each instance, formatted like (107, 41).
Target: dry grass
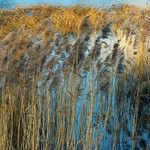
(69, 19)
(46, 116)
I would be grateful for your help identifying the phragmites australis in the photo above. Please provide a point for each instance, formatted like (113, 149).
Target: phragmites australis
(86, 26)
(107, 30)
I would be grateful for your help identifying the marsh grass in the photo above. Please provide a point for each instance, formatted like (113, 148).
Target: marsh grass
(69, 19)
(81, 105)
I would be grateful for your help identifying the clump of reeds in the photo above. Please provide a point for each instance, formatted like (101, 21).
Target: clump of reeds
(59, 94)
(69, 19)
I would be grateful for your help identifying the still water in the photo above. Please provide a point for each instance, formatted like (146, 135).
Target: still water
(9, 4)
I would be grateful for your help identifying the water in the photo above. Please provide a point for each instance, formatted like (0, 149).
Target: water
(9, 4)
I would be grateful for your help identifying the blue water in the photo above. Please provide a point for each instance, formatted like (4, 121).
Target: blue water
(9, 4)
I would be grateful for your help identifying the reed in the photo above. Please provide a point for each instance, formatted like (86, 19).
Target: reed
(70, 78)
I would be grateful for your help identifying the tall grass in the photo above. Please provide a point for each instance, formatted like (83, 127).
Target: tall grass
(57, 94)
(69, 19)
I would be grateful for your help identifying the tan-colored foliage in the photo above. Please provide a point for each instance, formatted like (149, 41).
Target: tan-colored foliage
(67, 19)
(26, 119)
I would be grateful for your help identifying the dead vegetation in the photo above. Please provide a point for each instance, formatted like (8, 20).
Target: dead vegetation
(71, 81)
(69, 19)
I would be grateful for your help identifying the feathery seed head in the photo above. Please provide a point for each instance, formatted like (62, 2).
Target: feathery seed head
(107, 30)
(86, 26)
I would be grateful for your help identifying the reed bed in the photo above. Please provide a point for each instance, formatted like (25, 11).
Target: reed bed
(74, 78)
(69, 19)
